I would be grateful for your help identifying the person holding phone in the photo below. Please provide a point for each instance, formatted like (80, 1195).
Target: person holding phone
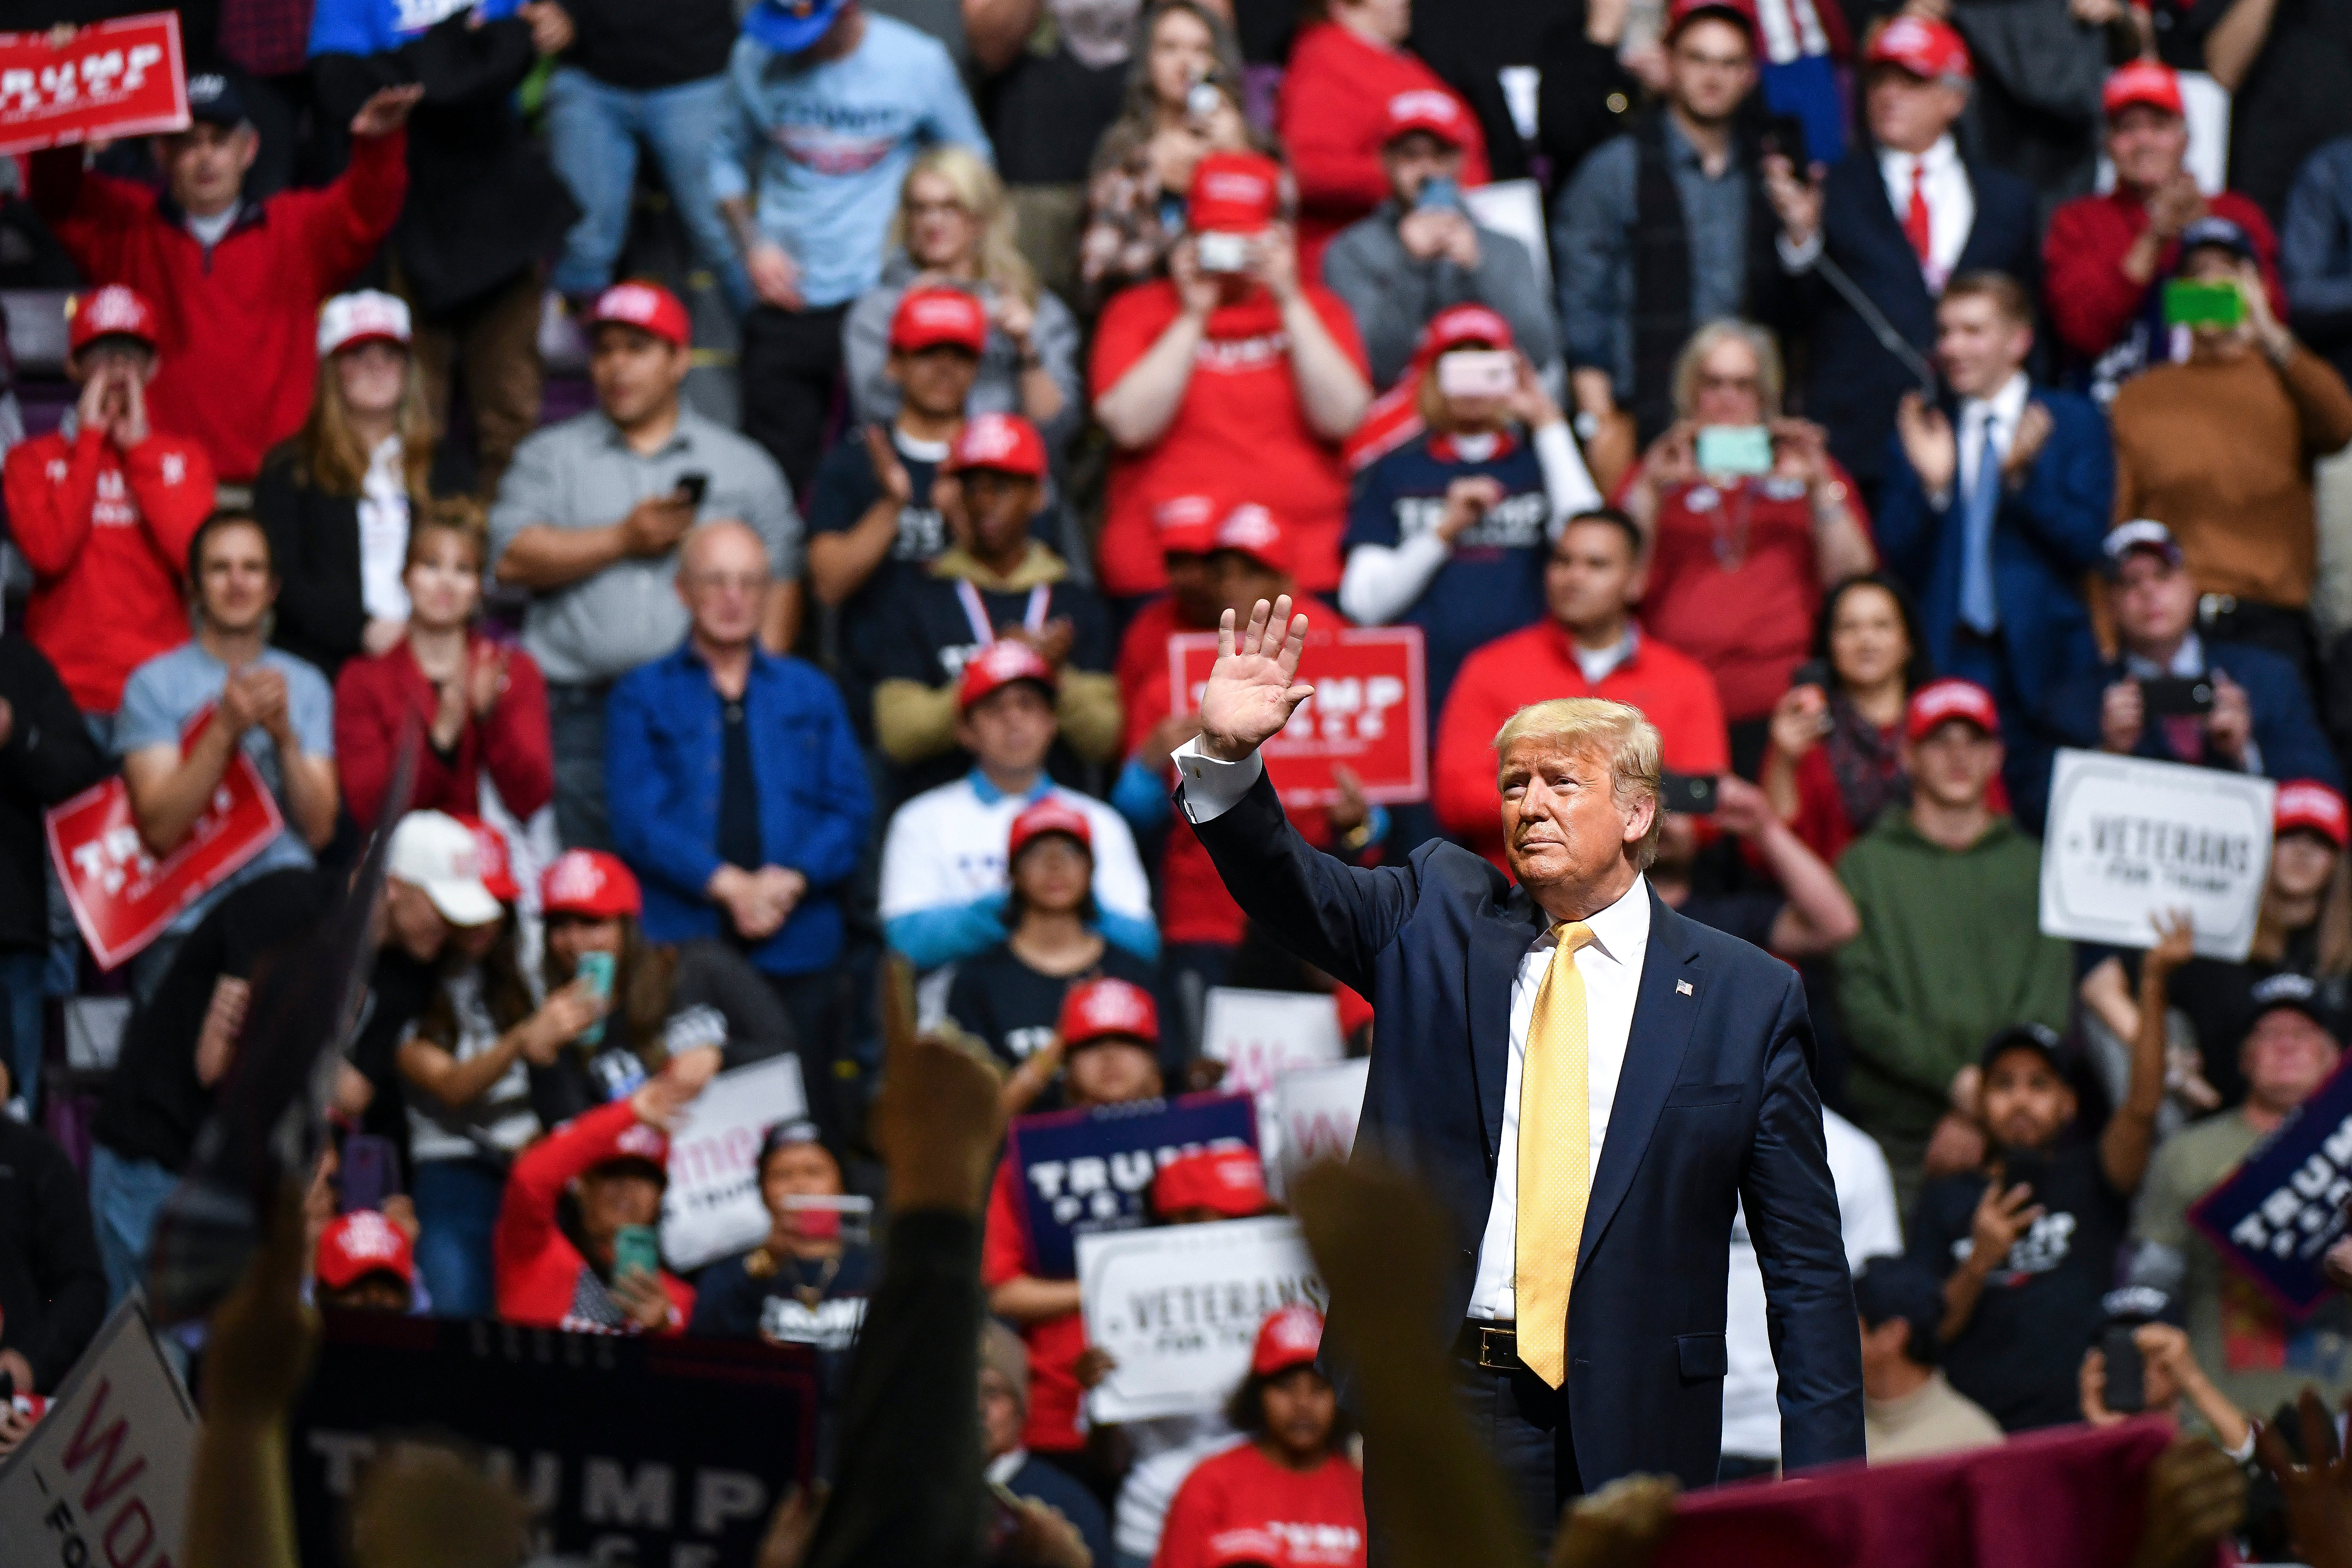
(1747, 520)
(2144, 1363)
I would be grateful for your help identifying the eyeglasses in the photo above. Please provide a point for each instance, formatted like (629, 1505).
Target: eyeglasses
(736, 582)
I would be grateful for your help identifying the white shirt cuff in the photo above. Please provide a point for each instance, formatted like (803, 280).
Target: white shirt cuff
(1211, 785)
(1795, 257)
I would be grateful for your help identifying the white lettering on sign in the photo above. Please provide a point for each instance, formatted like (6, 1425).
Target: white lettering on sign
(2302, 1216)
(1091, 1187)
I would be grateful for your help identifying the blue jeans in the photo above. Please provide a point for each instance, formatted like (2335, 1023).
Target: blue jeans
(458, 1206)
(20, 995)
(593, 132)
(575, 721)
(125, 1196)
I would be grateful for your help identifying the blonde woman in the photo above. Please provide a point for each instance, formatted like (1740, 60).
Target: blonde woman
(953, 227)
(335, 500)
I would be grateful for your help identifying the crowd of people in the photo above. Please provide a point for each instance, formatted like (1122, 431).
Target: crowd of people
(1881, 399)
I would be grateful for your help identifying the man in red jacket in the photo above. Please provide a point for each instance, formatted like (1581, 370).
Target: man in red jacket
(235, 284)
(1589, 647)
(104, 507)
(2106, 257)
(615, 1160)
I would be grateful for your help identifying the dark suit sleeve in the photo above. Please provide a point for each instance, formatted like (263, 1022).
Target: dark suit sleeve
(1336, 917)
(1905, 526)
(1793, 1216)
(2070, 490)
(2286, 727)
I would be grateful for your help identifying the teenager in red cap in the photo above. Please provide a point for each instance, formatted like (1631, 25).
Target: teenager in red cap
(1951, 950)
(364, 1264)
(104, 507)
(1108, 1038)
(996, 581)
(1232, 364)
(1292, 1479)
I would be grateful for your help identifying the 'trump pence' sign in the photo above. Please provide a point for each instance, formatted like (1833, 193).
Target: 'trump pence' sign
(1179, 1305)
(2279, 1212)
(1091, 1170)
(2130, 838)
(711, 1208)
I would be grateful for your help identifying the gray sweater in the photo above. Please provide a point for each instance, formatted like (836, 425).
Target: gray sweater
(1394, 296)
(865, 344)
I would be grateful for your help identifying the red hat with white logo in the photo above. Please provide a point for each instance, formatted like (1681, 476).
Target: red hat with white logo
(1233, 193)
(1940, 701)
(1107, 1009)
(1001, 443)
(1049, 815)
(498, 865)
(362, 1243)
(362, 316)
(113, 311)
(2308, 803)
(648, 307)
(1248, 1547)
(1252, 530)
(1460, 326)
(2142, 81)
(998, 666)
(1230, 1183)
(590, 882)
(1740, 14)
(1187, 524)
(644, 1145)
(1429, 109)
(930, 318)
(1291, 1337)
(1932, 51)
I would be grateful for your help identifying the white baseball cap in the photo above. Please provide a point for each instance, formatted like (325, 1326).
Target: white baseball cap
(435, 852)
(365, 316)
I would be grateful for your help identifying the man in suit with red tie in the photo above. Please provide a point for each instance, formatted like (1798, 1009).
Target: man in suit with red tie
(1583, 1079)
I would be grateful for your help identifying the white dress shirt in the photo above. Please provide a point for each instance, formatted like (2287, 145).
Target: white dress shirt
(384, 534)
(1951, 203)
(2000, 413)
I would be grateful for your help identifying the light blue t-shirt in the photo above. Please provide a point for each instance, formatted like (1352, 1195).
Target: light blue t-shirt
(167, 691)
(825, 146)
(376, 26)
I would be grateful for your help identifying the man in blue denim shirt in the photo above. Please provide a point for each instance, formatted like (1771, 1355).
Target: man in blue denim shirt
(738, 792)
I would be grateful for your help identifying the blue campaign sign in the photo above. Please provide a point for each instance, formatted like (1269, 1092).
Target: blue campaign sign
(1092, 1170)
(2280, 1211)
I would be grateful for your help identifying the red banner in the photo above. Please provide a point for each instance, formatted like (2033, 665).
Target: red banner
(122, 896)
(123, 78)
(1369, 712)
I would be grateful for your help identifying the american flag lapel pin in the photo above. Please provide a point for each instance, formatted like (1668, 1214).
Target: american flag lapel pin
(1682, 988)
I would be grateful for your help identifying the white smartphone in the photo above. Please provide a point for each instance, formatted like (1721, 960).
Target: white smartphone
(1478, 373)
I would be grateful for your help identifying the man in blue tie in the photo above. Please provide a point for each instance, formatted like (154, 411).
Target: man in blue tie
(1996, 504)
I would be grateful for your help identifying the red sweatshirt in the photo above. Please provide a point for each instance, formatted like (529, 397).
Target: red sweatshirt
(1333, 115)
(1672, 689)
(239, 349)
(2092, 299)
(543, 1280)
(375, 695)
(1319, 1516)
(106, 533)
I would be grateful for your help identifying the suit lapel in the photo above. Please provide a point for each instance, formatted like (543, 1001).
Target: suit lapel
(1654, 1058)
(1500, 938)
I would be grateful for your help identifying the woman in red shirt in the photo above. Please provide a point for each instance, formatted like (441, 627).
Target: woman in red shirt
(1292, 1480)
(481, 704)
(1738, 553)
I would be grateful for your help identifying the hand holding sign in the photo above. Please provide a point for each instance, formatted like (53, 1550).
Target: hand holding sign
(1253, 688)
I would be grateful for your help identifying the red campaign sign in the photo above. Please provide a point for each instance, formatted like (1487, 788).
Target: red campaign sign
(122, 896)
(123, 78)
(1369, 712)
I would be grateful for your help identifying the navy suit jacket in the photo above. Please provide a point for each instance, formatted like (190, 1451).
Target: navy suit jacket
(1716, 1104)
(2285, 728)
(1856, 381)
(2045, 536)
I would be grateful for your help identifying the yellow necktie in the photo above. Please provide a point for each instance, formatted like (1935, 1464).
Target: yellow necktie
(1555, 1159)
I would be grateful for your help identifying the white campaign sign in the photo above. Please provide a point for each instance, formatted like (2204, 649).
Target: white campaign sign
(712, 1208)
(104, 1476)
(1316, 1107)
(1178, 1307)
(1261, 1035)
(2128, 839)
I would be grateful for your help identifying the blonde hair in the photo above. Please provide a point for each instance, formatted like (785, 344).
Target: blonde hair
(1617, 730)
(980, 192)
(327, 450)
(1770, 379)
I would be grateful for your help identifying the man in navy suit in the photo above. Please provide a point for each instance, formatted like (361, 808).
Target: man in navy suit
(1587, 1083)
(1996, 504)
(1899, 219)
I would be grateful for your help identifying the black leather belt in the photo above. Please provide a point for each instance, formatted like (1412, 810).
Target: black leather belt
(1490, 1346)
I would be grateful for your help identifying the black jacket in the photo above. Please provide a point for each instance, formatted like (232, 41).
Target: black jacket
(47, 758)
(314, 538)
(52, 1288)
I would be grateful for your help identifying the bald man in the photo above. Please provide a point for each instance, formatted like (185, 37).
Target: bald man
(737, 790)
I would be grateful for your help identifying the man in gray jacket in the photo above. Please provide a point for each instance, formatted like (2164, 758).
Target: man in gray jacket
(1418, 253)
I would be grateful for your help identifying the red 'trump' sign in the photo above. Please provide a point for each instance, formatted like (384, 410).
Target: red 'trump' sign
(1369, 712)
(123, 78)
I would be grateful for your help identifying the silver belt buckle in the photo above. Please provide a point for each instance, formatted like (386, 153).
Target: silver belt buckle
(1498, 1350)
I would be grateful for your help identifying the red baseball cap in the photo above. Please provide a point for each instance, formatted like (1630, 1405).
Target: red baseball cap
(113, 311)
(1459, 326)
(640, 1143)
(490, 850)
(589, 882)
(1005, 443)
(1291, 1337)
(2308, 803)
(1101, 1009)
(1740, 12)
(1228, 1182)
(998, 666)
(2142, 81)
(360, 1243)
(928, 318)
(1248, 1547)
(1051, 813)
(1431, 110)
(1187, 524)
(1930, 51)
(1233, 193)
(648, 307)
(1940, 701)
(1252, 530)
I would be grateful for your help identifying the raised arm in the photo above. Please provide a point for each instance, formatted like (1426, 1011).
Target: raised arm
(2130, 1135)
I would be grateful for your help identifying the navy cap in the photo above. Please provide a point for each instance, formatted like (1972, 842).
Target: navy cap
(788, 26)
(1893, 1286)
(213, 100)
(2208, 233)
(2136, 1304)
(2297, 993)
(2039, 1037)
